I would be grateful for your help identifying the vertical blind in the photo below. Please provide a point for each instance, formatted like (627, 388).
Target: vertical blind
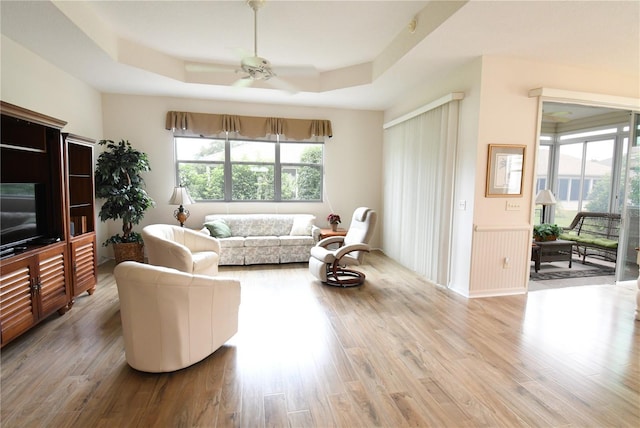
(419, 171)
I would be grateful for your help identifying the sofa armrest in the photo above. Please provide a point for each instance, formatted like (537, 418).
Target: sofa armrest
(315, 233)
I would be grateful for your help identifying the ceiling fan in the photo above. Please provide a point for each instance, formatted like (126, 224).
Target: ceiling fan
(254, 67)
(556, 116)
(257, 68)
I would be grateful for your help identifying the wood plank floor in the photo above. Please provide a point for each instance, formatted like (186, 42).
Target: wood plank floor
(394, 352)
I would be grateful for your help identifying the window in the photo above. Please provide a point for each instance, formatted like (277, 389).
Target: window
(541, 184)
(233, 170)
(586, 162)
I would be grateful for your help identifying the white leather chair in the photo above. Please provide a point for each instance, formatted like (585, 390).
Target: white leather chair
(329, 264)
(183, 249)
(171, 319)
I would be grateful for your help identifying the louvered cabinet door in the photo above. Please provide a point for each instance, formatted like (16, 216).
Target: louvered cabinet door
(53, 286)
(18, 310)
(84, 263)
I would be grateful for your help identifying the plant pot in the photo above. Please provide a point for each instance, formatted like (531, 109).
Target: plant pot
(128, 251)
(546, 238)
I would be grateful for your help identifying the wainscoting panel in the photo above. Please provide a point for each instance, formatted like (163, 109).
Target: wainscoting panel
(500, 261)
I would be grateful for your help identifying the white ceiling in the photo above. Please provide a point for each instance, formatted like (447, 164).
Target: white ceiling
(363, 51)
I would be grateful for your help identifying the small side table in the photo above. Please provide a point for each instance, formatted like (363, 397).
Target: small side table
(325, 233)
(551, 251)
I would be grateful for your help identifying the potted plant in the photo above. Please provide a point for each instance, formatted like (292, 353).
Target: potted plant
(546, 232)
(334, 220)
(119, 182)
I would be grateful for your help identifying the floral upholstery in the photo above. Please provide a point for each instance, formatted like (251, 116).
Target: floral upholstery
(265, 238)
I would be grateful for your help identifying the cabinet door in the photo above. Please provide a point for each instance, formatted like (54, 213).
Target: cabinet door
(52, 280)
(18, 311)
(84, 263)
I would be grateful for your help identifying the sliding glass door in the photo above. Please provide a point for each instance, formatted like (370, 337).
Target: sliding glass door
(590, 158)
(626, 266)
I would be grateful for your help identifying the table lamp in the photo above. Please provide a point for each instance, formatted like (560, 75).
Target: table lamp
(545, 197)
(181, 197)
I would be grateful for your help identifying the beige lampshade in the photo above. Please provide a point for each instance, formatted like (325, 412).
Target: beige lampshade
(545, 197)
(180, 196)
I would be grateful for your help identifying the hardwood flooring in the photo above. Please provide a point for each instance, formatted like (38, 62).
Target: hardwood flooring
(394, 352)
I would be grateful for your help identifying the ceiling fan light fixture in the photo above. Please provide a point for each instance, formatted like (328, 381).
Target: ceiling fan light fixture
(412, 25)
(257, 68)
(255, 4)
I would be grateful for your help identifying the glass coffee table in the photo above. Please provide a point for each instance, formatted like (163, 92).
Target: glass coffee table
(551, 251)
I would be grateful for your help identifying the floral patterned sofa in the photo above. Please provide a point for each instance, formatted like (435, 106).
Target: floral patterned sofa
(248, 239)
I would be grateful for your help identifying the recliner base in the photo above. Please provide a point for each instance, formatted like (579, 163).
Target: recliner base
(342, 277)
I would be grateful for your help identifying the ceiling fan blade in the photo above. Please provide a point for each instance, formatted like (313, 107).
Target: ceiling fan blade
(555, 119)
(208, 68)
(243, 82)
(301, 71)
(282, 85)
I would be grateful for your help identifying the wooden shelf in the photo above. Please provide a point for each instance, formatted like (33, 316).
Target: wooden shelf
(81, 218)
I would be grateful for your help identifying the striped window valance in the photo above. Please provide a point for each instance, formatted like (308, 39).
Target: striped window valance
(208, 125)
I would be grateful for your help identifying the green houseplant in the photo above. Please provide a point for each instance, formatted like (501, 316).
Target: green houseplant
(546, 232)
(119, 182)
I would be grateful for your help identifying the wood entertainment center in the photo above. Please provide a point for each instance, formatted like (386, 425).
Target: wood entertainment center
(44, 274)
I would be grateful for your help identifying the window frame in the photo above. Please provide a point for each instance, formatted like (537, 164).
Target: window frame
(561, 187)
(228, 164)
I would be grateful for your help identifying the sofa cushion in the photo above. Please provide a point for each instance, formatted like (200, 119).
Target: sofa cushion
(582, 239)
(302, 225)
(606, 243)
(232, 256)
(261, 255)
(568, 236)
(262, 241)
(294, 253)
(218, 229)
(232, 242)
(296, 240)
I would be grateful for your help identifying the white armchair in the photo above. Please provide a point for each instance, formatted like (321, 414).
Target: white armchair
(183, 249)
(329, 264)
(172, 319)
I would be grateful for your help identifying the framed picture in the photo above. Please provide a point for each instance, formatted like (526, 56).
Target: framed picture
(505, 168)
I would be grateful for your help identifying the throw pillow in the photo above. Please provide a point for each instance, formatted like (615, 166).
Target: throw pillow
(302, 225)
(218, 229)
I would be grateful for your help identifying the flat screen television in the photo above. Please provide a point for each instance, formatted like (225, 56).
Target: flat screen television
(21, 214)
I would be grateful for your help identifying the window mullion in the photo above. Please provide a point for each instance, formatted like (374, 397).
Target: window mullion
(228, 185)
(277, 171)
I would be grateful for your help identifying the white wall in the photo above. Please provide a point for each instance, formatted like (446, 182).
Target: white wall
(29, 81)
(352, 157)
